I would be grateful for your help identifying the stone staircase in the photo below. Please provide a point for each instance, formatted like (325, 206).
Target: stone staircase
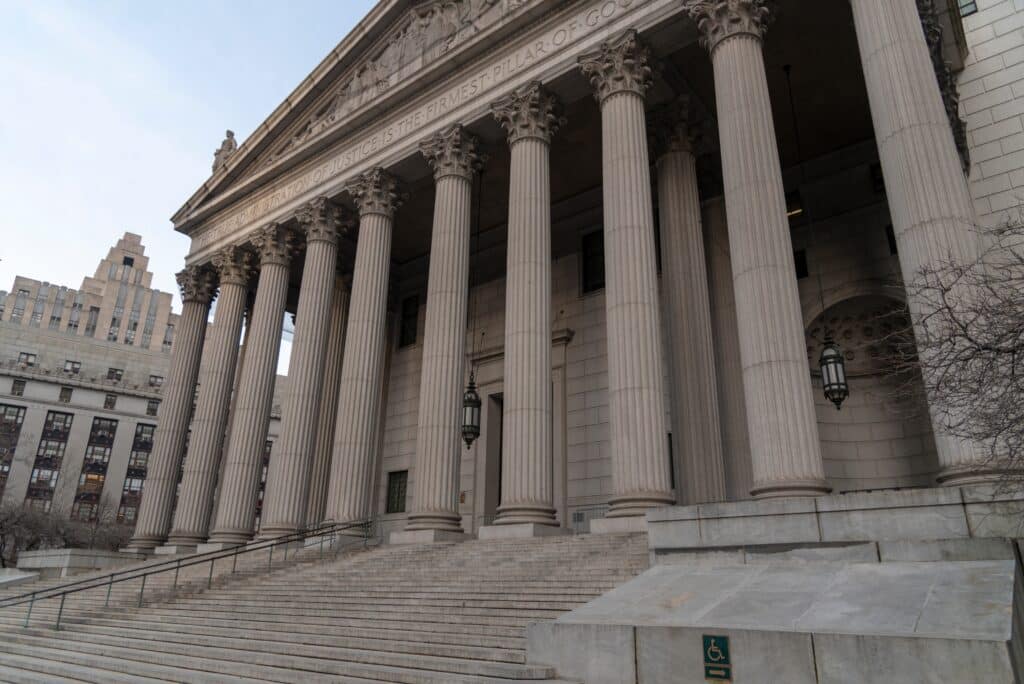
(439, 614)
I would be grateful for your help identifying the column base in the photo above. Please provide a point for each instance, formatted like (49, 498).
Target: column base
(275, 532)
(790, 489)
(231, 537)
(144, 544)
(519, 531)
(426, 537)
(621, 525)
(636, 505)
(955, 477)
(216, 546)
(436, 520)
(526, 514)
(175, 549)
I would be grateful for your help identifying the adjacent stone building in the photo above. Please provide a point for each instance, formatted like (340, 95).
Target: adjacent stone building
(631, 222)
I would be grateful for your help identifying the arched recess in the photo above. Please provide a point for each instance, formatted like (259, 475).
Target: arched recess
(882, 437)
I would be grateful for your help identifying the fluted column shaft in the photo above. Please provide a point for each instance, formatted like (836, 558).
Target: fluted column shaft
(785, 451)
(236, 508)
(438, 437)
(284, 502)
(175, 411)
(695, 422)
(527, 492)
(619, 73)
(932, 213)
(320, 471)
(356, 430)
(192, 516)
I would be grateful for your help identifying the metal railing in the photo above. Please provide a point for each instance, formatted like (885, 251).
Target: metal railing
(361, 531)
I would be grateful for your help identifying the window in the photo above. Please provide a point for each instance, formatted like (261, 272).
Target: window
(156, 380)
(592, 262)
(890, 236)
(128, 261)
(11, 419)
(19, 306)
(800, 260)
(72, 366)
(968, 7)
(18, 388)
(410, 319)
(152, 406)
(27, 359)
(168, 338)
(397, 481)
(65, 395)
(110, 401)
(115, 374)
(90, 323)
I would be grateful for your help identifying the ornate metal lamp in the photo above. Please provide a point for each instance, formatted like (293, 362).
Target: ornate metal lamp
(833, 372)
(470, 412)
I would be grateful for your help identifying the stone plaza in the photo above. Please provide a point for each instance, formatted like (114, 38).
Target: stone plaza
(632, 227)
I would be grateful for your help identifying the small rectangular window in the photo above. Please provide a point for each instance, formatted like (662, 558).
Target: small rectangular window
(115, 374)
(151, 407)
(156, 380)
(65, 395)
(410, 321)
(890, 236)
(592, 261)
(800, 259)
(18, 388)
(110, 401)
(27, 359)
(72, 367)
(128, 261)
(968, 7)
(397, 481)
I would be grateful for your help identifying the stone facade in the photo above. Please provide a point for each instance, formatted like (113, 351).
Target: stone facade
(643, 324)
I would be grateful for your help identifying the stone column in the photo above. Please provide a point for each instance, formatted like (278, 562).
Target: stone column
(785, 451)
(932, 213)
(530, 116)
(320, 472)
(695, 424)
(236, 508)
(197, 291)
(284, 502)
(435, 515)
(620, 76)
(192, 517)
(356, 433)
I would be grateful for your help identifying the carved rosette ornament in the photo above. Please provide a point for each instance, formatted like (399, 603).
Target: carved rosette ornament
(529, 112)
(274, 244)
(721, 19)
(197, 284)
(620, 65)
(234, 265)
(453, 152)
(320, 220)
(375, 192)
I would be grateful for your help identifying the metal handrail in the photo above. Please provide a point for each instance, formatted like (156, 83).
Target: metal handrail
(176, 564)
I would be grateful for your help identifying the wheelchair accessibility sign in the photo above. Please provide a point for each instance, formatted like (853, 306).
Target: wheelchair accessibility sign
(717, 666)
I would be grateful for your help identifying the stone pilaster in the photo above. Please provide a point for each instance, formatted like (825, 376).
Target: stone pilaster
(696, 430)
(785, 451)
(236, 508)
(932, 213)
(453, 156)
(620, 76)
(356, 432)
(197, 291)
(284, 502)
(530, 116)
(320, 472)
(192, 517)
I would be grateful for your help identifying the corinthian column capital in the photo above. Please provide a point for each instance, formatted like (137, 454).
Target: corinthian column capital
(197, 284)
(323, 221)
(375, 192)
(274, 244)
(677, 127)
(619, 65)
(234, 265)
(529, 112)
(453, 152)
(721, 19)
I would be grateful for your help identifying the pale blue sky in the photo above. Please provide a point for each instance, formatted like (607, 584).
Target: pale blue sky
(110, 111)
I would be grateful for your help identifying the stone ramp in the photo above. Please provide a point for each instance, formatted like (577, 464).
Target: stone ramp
(795, 622)
(439, 614)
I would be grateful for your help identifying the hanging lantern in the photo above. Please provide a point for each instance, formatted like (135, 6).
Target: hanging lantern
(833, 372)
(470, 413)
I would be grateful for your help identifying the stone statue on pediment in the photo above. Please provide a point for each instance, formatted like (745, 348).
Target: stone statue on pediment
(224, 152)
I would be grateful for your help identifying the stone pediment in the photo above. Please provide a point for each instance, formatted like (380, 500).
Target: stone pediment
(421, 35)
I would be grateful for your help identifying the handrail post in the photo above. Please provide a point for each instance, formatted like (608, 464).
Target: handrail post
(270, 558)
(174, 587)
(142, 590)
(209, 579)
(234, 561)
(110, 585)
(60, 611)
(31, 602)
